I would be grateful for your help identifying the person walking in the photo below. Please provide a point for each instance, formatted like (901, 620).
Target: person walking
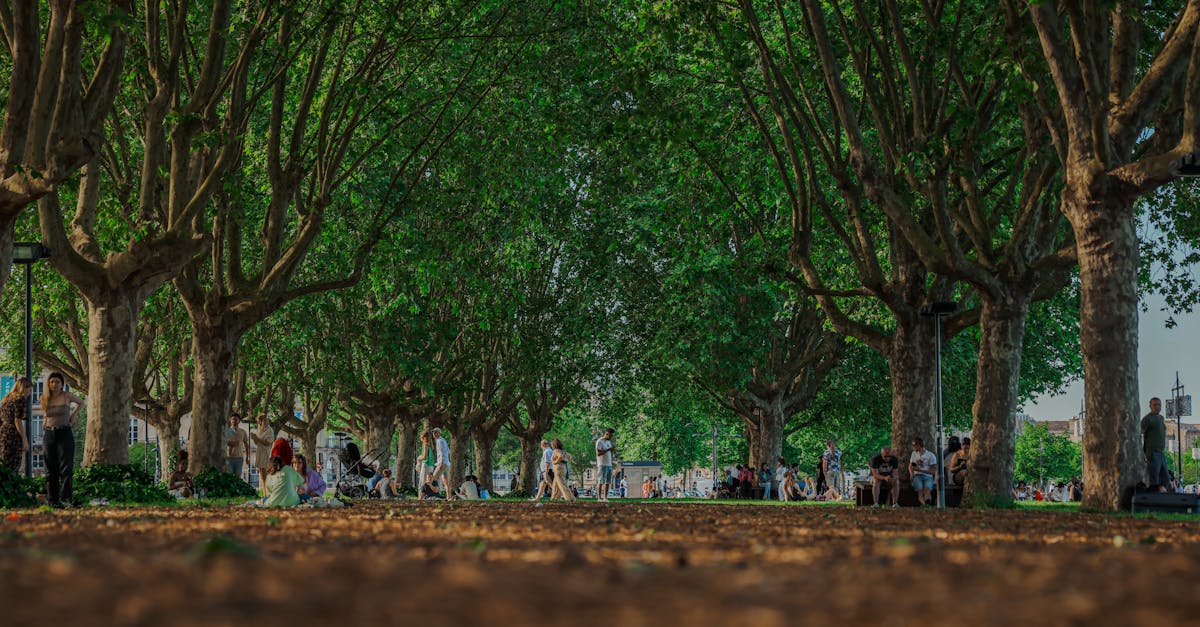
(441, 470)
(237, 446)
(1154, 443)
(13, 409)
(546, 482)
(560, 459)
(604, 465)
(59, 439)
(263, 438)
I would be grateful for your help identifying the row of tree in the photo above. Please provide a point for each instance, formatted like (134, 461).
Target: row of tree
(482, 215)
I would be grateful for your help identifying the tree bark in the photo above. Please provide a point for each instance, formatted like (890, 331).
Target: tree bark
(168, 444)
(531, 457)
(766, 435)
(308, 447)
(406, 452)
(912, 369)
(485, 445)
(459, 441)
(1108, 265)
(112, 342)
(214, 350)
(377, 438)
(993, 441)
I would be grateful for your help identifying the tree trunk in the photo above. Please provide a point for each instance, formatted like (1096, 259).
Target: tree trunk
(531, 457)
(406, 452)
(112, 342)
(308, 446)
(215, 352)
(766, 436)
(1107, 245)
(485, 444)
(378, 438)
(459, 443)
(912, 369)
(993, 434)
(168, 444)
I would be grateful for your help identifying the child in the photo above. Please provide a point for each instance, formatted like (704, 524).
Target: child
(282, 481)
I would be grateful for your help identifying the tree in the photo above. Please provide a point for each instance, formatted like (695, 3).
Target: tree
(1043, 456)
(1117, 87)
(363, 109)
(54, 113)
(150, 184)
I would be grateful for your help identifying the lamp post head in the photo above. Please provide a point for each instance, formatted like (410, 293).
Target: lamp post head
(939, 308)
(29, 252)
(1188, 166)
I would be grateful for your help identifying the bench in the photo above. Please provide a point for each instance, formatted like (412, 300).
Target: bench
(908, 497)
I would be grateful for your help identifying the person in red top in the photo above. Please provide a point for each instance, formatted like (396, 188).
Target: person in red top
(283, 450)
(746, 481)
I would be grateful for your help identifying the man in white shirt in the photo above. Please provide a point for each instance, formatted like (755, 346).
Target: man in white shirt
(604, 465)
(441, 472)
(546, 484)
(922, 464)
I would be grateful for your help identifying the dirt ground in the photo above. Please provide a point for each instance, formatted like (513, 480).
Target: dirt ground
(628, 565)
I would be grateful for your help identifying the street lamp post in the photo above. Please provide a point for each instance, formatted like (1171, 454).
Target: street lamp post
(27, 254)
(937, 311)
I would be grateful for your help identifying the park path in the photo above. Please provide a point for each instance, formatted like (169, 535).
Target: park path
(624, 564)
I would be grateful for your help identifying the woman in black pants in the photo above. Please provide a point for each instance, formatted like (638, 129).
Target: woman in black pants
(59, 441)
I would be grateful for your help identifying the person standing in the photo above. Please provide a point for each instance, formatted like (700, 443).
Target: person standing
(1154, 443)
(59, 439)
(427, 460)
(441, 471)
(546, 469)
(264, 438)
(237, 446)
(559, 459)
(604, 464)
(885, 469)
(781, 470)
(13, 409)
(831, 462)
(922, 466)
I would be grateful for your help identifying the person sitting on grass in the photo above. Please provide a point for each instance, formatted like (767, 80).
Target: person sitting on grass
(282, 482)
(808, 488)
(469, 490)
(386, 488)
(789, 490)
(314, 485)
(180, 485)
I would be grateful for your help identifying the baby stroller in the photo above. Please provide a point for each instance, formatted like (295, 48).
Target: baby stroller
(356, 470)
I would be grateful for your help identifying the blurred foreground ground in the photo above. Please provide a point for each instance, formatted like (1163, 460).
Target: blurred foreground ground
(623, 564)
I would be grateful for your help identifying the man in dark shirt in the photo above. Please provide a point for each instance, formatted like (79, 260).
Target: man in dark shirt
(1154, 442)
(883, 470)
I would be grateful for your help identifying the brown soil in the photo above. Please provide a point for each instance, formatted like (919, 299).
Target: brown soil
(624, 565)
